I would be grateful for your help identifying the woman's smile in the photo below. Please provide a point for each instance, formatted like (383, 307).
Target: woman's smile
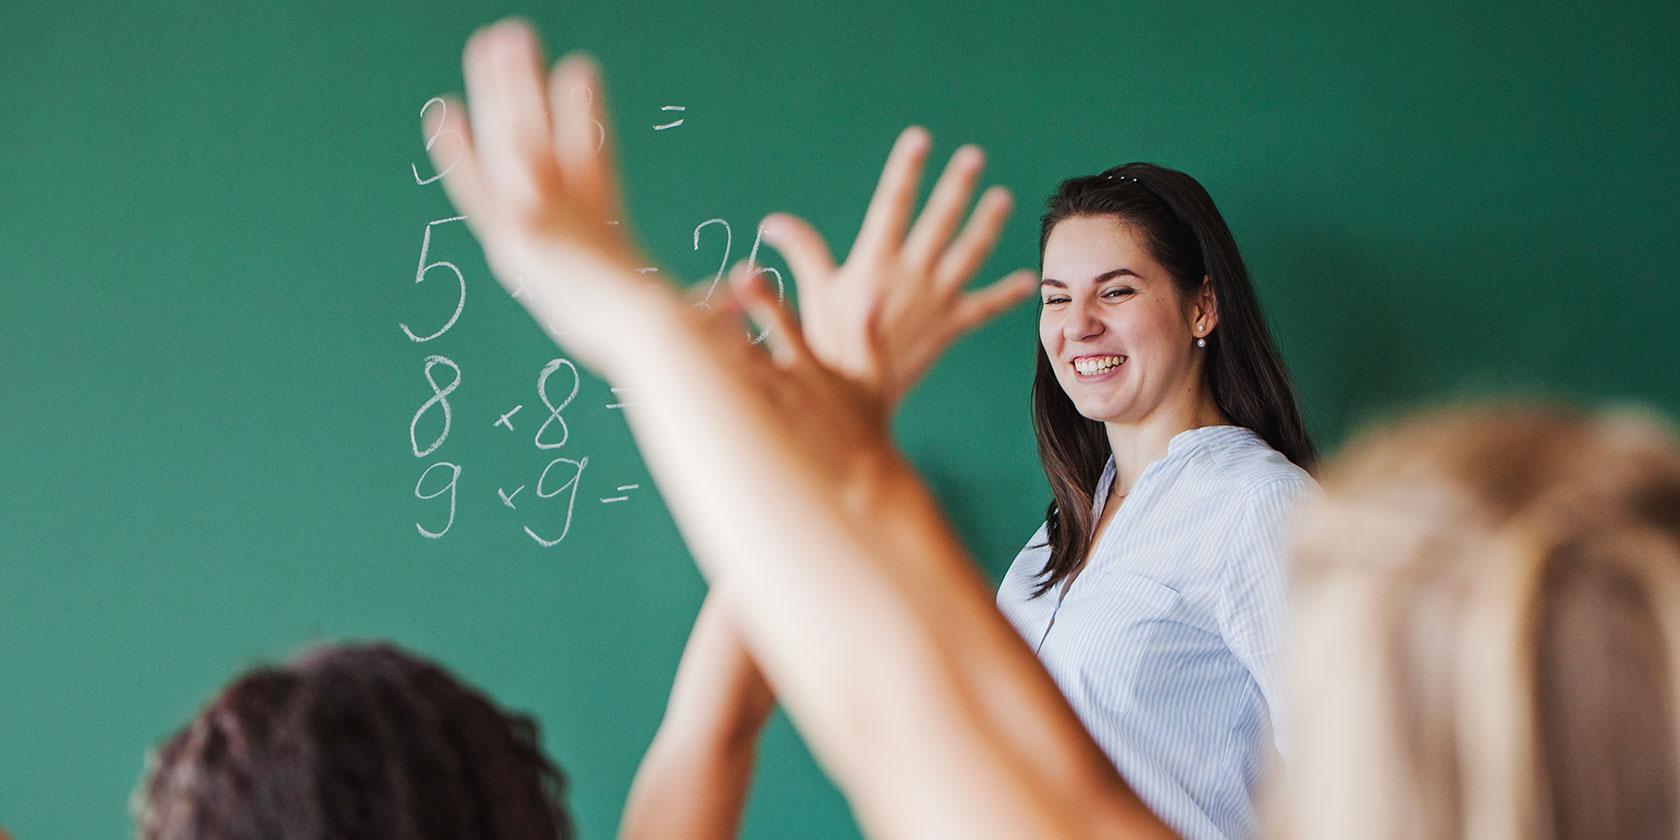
(1097, 367)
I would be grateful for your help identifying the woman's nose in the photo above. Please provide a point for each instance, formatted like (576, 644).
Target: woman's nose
(1082, 323)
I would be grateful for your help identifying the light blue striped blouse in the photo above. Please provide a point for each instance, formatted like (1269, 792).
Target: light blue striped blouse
(1169, 644)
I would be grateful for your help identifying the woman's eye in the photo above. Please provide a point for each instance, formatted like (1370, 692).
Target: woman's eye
(1116, 293)
(1054, 300)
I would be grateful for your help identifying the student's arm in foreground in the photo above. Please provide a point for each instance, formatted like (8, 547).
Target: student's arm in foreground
(693, 782)
(847, 585)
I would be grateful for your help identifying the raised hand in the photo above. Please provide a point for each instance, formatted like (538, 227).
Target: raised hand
(537, 184)
(536, 181)
(897, 303)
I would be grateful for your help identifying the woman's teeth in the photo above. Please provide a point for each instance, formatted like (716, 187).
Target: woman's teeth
(1097, 364)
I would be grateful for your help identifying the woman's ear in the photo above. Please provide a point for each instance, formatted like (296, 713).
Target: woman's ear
(1204, 310)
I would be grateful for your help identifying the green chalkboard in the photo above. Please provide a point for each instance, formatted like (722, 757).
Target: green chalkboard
(211, 234)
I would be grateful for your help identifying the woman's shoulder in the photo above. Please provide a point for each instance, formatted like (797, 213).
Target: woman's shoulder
(1249, 468)
(1036, 550)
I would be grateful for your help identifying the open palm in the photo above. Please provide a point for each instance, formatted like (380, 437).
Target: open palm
(884, 316)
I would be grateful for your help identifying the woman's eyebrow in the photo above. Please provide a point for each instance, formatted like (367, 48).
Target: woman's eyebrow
(1107, 275)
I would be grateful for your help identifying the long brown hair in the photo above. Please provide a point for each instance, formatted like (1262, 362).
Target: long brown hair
(1487, 632)
(352, 741)
(1183, 231)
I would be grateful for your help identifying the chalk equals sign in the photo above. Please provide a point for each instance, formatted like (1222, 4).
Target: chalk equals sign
(674, 123)
(622, 488)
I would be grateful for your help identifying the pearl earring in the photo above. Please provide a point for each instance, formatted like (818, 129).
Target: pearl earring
(1201, 342)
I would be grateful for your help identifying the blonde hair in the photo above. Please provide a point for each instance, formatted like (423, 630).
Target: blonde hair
(1487, 631)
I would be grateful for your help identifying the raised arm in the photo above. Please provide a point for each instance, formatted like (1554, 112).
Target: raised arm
(693, 782)
(846, 584)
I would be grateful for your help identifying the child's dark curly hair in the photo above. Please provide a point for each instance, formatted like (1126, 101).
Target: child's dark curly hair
(358, 741)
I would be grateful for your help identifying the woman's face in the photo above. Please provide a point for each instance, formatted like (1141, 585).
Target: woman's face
(1118, 333)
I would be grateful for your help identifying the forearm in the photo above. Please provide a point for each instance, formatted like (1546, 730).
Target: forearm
(685, 791)
(694, 779)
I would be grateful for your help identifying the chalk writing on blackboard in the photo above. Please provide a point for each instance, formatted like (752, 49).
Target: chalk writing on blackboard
(425, 268)
(569, 488)
(588, 98)
(561, 478)
(554, 415)
(705, 301)
(673, 123)
(438, 133)
(454, 478)
(439, 398)
(506, 420)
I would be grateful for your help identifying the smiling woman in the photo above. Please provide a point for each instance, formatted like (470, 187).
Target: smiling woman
(1150, 242)
(1158, 387)
(1168, 430)
(1153, 595)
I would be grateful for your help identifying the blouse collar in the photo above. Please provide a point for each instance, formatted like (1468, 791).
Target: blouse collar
(1180, 445)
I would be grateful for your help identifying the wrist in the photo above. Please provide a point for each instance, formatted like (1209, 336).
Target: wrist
(665, 328)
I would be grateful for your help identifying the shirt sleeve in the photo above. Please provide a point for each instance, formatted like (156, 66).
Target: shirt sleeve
(1254, 592)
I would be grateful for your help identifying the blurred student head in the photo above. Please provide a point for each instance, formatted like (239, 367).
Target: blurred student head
(358, 741)
(1487, 619)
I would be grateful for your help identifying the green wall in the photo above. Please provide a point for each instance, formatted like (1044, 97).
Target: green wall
(211, 231)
